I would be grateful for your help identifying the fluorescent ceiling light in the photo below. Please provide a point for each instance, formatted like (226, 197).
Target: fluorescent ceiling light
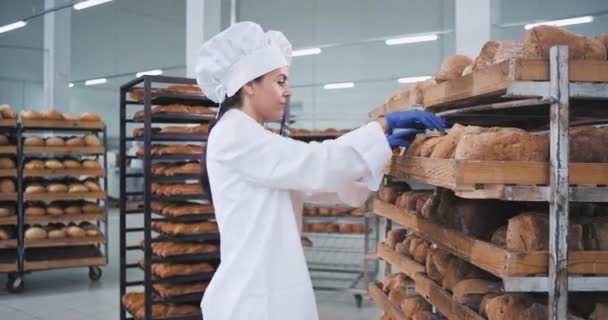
(306, 52)
(70, 85)
(341, 85)
(88, 4)
(13, 26)
(156, 72)
(413, 79)
(404, 40)
(95, 81)
(562, 22)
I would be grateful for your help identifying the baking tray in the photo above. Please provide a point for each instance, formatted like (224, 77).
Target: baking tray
(157, 136)
(181, 279)
(184, 298)
(175, 178)
(183, 197)
(197, 257)
(199, 237)
(185, 218)
(177, 117)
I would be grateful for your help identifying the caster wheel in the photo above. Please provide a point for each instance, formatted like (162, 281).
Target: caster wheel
(15, 284)
(359, 300)
(95, 273)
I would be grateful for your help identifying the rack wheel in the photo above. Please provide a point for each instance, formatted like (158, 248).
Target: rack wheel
(358, 300)
(15, 283)
(95, 273)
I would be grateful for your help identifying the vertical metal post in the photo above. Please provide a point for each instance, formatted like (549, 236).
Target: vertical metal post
(233, 11)
(559, 200)
(123, 200)
(105, 187)
(20, 205)
(147, 195)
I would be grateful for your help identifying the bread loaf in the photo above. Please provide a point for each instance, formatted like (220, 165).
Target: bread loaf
(417, 92)
(397, 296)
(470, 292)
(306, 242)
(390, 192)
(529, 231)
(69, 116)
(34, 141)
(446, 145)
(467, 71)
(6, 233)
(7, 163)
(5, 212)
(600, 312)
(72, 209)
(53, 164)
(403, 248)
(92, 140)
(35, 188)
(57, 234)
(77, 187)
(538, 41)
(418, 249)
(495, 52)
(34, 233)
(72, 164)
(91, 208)
(499, 237)
(507, 307)
(54, 142)
(505, 144)
(458, 270)
(7, 112)
(585, 142)
(7, 186)
(75, 142)
(92, 185)
(452, 68)
(57, 188)
(437, 263)
(75, 232)
(54, 210)
(34, 165)
(3, 140)
(35, 211)
(395, 236)
(396, 281)
(51, 114)
(31, 115)
(345, 228)
(414, 304)
(484, 302)
(89, 116)
(425, 315)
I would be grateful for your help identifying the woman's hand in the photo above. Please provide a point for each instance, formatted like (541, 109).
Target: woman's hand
(412, 119)
(402, 138)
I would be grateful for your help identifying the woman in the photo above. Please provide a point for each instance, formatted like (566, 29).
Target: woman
(259, 180)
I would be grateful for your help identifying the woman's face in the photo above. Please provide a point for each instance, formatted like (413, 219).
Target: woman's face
(268, 97)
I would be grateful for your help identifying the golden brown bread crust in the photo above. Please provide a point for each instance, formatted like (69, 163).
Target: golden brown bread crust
(53, 164)
(452, 67)
(71, 164)
(75, 142)
(34, 141)
(529, 231)
(31, 115)
(56, 188)
(177, 210)
(173, 189)
(166, 249)
(55, 142)
(177, 108)
(52, 114)
(7, 186)
(538, 41)
(89, 164)
(70, 116)
(170, 290)
(200, 129)
(183, 88)
(7, 163)
(91, 208)
(167, 169)
(395, 236)
(35, 188)
(158, 150)
(34, 164)
(494, 52)
(166, 270)
(184, 228)
(77, 187)
(134, 302)
(7, 112)
(91, 140)
(89, 116)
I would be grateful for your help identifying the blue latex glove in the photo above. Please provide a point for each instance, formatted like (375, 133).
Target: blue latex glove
(402, 138)
(413, 119)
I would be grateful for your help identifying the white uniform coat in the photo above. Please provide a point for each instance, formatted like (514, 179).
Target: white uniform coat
(259, 181)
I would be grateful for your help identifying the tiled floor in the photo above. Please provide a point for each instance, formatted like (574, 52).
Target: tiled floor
(69, 295)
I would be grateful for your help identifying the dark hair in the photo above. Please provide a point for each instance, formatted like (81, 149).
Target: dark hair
(234, 102)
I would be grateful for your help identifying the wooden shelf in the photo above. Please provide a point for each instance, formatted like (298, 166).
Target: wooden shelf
(381, 300)
(8, 149)
(68, 257)
(99, 195)
(8, 123)
(10, 220)
(405, 264)
(62, 124)
(63, 172)
(65, 218)
(484, 179)
(12, 173)
(8, 244)
(496, 79)
(496, 260)
(9, 196)
(64, 242)
(63, 150)
(8, 267)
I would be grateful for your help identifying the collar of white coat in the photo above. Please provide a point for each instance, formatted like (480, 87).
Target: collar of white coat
(240, 113)
(251, 66)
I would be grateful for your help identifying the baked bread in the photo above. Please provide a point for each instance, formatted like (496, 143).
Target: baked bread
(177, 210)
(601, 309)
(310, 211)
(3, 140)
(34, 141)
(90, 164)
(390, 192)
(7, 163)
(54, 142)
(72, 209)
(34, 233)
(584, 142)
(72, 164)
(31, 115)
(332, 228)
(345, 228)
(6, 233)
(495, 52)
(415, 304)
(34, 211)
(306, 242)
(397, 296)
(92, 140)
(75, 142)
(359, 228)
(177, 189)
(200, 129)
(396, 281)
(54, 210)
(75, 232)
(166, 270)
(502, 144)
(35, 188)
(437, 263)
(52, 114)
(77, 187)
(395, 236)
(538, 41)
(507, 307)
(176, 228)
(529, 231)
(452, 68)
(470, 292)
(499, 237)
(7, 186)
(171, 290)
(176, 108)
(69, 116)
(34, 165)
(159, 150)
(425, 315)
(7, 112)
(57, 234)
(467, 71)
(417, 92)
(89, 116)
(137, 94)
(6, 211)
(91, 208)
(184, 88)
(138, 132)
(53, 164)
(92, 185)
(166, 249)
(419, 249)
(57, 188)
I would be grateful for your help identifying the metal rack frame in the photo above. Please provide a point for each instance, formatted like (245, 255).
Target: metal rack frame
(557, 92)
(147, 212)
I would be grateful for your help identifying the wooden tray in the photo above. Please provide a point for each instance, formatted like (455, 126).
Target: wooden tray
(63, 172)
(62, 124)
(8, 267)
(468, 177)
(8, 173)
(65, 218)
(63, 150)
(10, 220)
(8, 149)
(99, 195)
(494, 81)
(496, 260)
(8, 244)
(67, 257)
(381, 300)
(64, 242)
(8, 123)
(8, 196)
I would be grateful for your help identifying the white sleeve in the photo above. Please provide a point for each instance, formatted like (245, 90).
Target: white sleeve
(278, 162)
(353, 195)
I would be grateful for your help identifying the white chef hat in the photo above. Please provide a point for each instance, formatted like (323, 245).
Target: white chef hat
(238, 55)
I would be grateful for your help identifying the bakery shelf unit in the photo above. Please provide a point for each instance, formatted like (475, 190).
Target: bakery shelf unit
(136, 243)
(9, 253)
(535, 95)
(67, 252)
(340, 262)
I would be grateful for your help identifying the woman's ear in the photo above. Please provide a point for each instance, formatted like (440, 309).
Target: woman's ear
(248, 88)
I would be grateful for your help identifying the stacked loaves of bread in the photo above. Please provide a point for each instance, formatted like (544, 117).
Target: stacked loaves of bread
(333, 211)
(60, 231)
(52, 114)
(176, 189)
(176, 168)
(89, 140)
(168, 248)
(334, 227)
(168, 270)
(138, 93)
(179, 209)
(134, 302)
(401, 291)
(200, 129)
(60, 208)
(7, 112)
(176, 108)
(181, 228)
(63, 186)
(60, 163)
(159, 149)
(7, 233)
(7, 210)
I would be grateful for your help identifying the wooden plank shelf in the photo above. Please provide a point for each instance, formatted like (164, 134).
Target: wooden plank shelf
(8, 123)
(66, 257)
(65, 218)
(62, 124)
(11, 173)
(499, 261)
(64, 242)
(63, 150)
(63, 172)
(10, 220)
(8, 244)
(405, 264)
(99, 195)
(8, 266)
(8, 196)
(381, 300)
(494, 81)
(8, 149)
(486, 179)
